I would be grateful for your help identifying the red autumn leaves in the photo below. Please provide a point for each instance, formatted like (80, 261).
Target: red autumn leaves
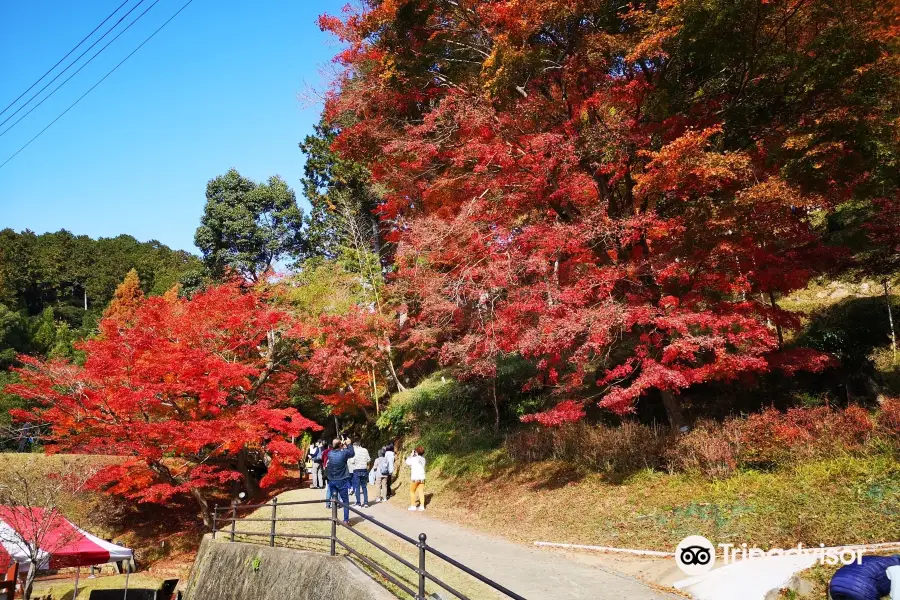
(618, 194)
(179, 387)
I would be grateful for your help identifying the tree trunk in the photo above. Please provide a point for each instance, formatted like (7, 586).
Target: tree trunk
(777, 326)
(872, 389)
(390, 361)
(375, 391)
(673, 409)
(205, 513)
(887, 300)
(496, 405)
(376, 238)
(250, 486)
(29, 579)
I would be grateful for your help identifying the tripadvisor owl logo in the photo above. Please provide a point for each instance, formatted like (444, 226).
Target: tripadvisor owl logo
(695, 555)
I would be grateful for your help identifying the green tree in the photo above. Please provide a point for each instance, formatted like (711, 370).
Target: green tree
(248, 226)
(342, 197)
(13, 335)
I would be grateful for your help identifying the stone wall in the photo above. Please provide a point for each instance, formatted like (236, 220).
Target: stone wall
(238, 571)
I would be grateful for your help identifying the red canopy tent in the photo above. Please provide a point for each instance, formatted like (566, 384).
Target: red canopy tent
(61, 543)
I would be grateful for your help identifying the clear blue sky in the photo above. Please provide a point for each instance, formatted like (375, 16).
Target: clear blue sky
(217, 88)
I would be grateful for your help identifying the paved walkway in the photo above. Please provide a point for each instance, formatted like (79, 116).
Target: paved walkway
(535, 574)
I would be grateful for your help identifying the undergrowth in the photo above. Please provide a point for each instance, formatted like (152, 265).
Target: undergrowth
(812, 475)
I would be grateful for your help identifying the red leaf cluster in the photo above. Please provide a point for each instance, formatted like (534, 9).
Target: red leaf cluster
(179, 386)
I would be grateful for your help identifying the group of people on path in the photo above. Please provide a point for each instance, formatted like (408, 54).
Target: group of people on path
(342, 468)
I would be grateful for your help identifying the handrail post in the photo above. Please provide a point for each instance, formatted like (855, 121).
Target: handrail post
(215, 516)
(233, 519)
(272, 531)
(421, 545)
(334, 516)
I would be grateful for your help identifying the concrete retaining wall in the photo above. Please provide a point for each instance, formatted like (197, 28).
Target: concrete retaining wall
(237, 571)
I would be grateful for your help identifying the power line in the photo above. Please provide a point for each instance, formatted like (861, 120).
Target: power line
(69, 66)
(66, 56)
(44, 99)
(71, 106)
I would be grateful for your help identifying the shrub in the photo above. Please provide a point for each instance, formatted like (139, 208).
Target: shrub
(767, 439)
(889, 418)
(626, 448)
(710, 449)
(772, 437)
(851, 427)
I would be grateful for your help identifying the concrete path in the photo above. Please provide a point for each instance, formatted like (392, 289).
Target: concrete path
(533, 573)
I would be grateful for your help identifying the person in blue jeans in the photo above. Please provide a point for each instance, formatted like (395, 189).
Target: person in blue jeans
(359, 469)
(339, 473)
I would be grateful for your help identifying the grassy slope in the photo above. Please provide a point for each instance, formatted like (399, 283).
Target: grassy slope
(837, 501)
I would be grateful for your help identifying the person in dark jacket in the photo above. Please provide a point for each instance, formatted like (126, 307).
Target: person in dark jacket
(339, 473)
(865, 581)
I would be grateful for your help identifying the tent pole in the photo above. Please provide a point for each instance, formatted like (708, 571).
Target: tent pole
(127, 573)
(77, 574)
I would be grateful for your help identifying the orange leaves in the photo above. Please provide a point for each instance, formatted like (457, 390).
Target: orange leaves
(777, 193)
(126, 299)
(685, 169)
(652, 46)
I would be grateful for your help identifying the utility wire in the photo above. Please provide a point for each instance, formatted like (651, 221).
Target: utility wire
(71, 106)
(65, 57)
(44, 99)
(69, 66)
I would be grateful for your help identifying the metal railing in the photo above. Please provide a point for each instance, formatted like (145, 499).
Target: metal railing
(421, 544)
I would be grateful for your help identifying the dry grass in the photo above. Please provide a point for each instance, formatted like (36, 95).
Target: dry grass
(837, 501)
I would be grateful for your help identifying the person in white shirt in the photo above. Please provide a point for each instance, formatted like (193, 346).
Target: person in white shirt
(416, 462)
(389, 458)
(359, 467)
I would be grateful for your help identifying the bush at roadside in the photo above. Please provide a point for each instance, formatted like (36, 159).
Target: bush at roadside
(764, 440)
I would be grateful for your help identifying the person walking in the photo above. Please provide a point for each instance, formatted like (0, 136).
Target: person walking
(389, 457)
(416, 462)
(380, 468)
(359, 465)
(317, 481)
(339, 474)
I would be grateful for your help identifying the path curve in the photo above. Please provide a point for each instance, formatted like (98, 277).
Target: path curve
(534, 573)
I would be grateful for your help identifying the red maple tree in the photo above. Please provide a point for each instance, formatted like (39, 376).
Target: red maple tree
(618, 193)
(348, 352)
(184, 389)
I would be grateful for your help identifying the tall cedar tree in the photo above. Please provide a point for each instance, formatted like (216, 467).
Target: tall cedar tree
(619, 192)
(183, 388)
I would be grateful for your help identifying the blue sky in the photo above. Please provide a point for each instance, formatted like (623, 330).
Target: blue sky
(217, 88)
